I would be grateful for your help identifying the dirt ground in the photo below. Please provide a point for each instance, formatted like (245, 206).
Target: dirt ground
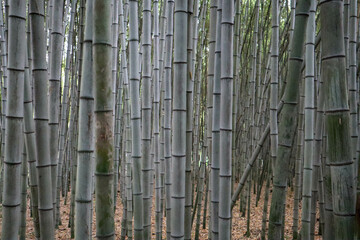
(238, 222)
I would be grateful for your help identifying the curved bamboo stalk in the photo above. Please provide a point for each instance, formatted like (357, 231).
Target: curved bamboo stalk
(288, 122)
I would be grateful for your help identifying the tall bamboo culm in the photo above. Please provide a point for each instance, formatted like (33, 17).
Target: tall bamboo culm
(134, 77)
(179, 121)
(103, 109)
(274, 79)
(14, 121)
(146, 117)
(227, 23)
(156, 121)
(64, 108)
(167, 112)
(189, 122)
(55, 65)
(287, 123)
(85, 169)
(41, 117)
(29, 132)
(215, 148)
(309, 117)
(337, 118)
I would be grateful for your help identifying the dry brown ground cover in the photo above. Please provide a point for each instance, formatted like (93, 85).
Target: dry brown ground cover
(238, 230)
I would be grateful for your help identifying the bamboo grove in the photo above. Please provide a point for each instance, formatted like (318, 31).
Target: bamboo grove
(179, 119)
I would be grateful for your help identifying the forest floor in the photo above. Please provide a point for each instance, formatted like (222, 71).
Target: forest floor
(238, 221)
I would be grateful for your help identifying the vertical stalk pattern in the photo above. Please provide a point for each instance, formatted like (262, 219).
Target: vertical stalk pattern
(337, 118)
(227, 22)
(288, 121)
(103, 108)
(41, 117)
(85, 154)
(274, 79)
(179, 121)
(55, 65)
(146, 117)
(167, 113)
(135, 118)
(14, 120)
(309, 117)
(156, 121)
(215, 155)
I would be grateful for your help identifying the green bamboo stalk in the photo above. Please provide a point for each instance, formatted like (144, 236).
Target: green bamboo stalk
(309, 104)
(206, 199)
(73, 151)
(41, 114)
(64, 107)
(179, 121)
(23, 207)
(353, 64)
(265, 207)
(156, 121)
(146, 116)
(128, 209)
(298, 164)
(318, 188)
(167, 114)
(201, 187)
(83, 192)
(209, 103)
(197, 85)
(274, 92)
(189, 121)
(215, 154)
(14, 120)
(288, 120)
(337, 118)
(4, 63)
(129, 196)
(135, 118)
(29, 132)
(352, 83)
(227, 22)
(329, 229)
(103, 108)
(55, 65)
(117, 94)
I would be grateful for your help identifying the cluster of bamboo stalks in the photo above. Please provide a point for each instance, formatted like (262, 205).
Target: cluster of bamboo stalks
(198, 105)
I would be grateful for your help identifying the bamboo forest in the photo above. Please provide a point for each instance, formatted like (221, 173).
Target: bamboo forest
(179, 119)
